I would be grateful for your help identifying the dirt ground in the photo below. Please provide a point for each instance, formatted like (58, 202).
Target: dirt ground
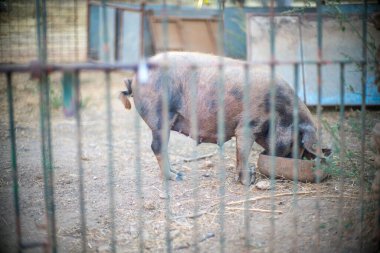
(312, 221)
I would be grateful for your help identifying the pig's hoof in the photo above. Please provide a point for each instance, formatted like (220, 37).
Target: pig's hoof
(247, 178)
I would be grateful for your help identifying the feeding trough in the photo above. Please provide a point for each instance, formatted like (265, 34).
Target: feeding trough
(284, 167)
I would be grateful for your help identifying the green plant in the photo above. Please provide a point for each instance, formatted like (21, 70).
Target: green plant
(56, 101)
(350, 166)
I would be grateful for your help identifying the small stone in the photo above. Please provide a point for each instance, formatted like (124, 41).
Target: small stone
(163, 195)
(208, 164)
(149, 206)
(85, 158)
(206, 174)
(263, 185)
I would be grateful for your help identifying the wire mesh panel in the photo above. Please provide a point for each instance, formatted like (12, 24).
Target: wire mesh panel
(201, 152)
(66, 31)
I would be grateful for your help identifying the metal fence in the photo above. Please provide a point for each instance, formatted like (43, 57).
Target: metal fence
(209, 210)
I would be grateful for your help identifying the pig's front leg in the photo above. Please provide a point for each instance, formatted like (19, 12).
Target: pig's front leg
(158, 150)
(245, 174)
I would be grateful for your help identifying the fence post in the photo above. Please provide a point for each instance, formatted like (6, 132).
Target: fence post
(47, 159)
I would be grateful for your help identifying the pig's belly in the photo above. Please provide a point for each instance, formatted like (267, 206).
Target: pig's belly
(207, 129)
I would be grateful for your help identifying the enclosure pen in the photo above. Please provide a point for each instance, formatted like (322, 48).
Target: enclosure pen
(132, 217)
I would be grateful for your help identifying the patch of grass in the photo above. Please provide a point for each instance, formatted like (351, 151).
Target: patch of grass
(350, 167)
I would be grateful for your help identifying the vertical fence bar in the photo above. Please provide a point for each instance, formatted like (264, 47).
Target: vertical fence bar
(296, 155)
(194, 134)
(221, 127)
(138, 171)
(300, 22)
(165, 131)
(363, 118)
(82, 204)
(45, 125)
(319, 127)
(342, 150)
(272, 125)
(111, 179)
(12, 133)
(246, 152)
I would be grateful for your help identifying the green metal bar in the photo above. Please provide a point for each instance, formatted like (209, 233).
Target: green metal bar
(49, 67)
(195, 170)
(272, 126)
(165, 131)
(319, 126)
(363, 119)
(82, 203)
(138, 171)
(165, 139)
(109, 131)
(300, 18)
(45, 126)
(12, 133)
(342, 159)
(247, 150)
(295, 152)
(111, 176)
(221, 129)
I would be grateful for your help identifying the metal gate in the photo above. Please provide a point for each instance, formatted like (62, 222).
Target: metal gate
(94, 189)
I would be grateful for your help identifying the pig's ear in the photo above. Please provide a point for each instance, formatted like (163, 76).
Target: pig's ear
(124, 99)
(128, 85)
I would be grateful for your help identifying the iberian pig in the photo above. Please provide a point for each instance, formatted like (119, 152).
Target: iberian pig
(179, 74)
